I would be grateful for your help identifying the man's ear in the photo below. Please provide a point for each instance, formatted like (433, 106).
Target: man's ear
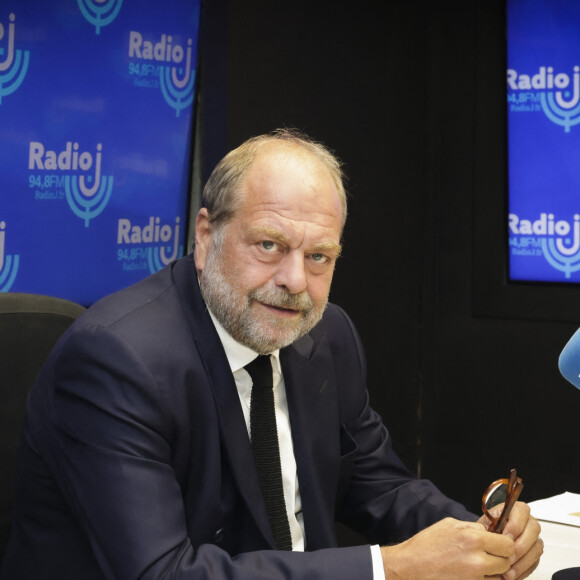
(203, 239)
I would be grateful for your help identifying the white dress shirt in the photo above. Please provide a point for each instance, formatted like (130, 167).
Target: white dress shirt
(238, 357)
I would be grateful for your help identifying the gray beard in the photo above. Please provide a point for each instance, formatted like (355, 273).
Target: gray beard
(263, 334)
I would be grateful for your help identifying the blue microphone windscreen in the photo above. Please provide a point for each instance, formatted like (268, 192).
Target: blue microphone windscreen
(569, 361)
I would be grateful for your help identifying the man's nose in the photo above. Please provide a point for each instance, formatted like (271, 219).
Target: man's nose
(291, 273)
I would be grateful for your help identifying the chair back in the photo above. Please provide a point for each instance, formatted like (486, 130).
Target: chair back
(30, 325)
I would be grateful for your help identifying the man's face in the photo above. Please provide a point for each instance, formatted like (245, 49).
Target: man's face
(269, 284)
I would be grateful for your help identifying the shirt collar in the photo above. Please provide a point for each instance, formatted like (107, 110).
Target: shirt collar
(238, 355)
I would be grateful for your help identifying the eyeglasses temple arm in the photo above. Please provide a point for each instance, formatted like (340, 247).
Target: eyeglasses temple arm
(514, 491)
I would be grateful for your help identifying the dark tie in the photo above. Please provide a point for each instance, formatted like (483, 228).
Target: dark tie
(264, 436)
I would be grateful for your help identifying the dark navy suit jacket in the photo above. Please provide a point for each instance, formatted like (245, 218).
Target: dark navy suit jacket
(136, 461)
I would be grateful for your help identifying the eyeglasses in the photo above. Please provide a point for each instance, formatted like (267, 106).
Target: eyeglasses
(506, 491)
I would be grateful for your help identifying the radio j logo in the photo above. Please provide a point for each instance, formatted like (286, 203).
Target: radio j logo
(165, 64)
(100, 13)
(8, 263)
(149, 247)
(556, 94)
(13, 62)
(72, 175)
(557, 241)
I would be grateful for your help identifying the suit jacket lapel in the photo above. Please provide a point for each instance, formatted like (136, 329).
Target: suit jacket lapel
(313, 407)
(232, 425)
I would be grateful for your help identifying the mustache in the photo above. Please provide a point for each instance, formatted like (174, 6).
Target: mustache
(280, 298)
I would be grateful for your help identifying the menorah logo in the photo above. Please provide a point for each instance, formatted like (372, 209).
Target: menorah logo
(88, 201)
(14, 63)
(562, 109)
(100, 13)
(157, 256)
(8, 264)
(177, 83)
(562, 257)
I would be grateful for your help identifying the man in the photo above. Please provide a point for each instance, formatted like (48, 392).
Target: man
(137, 458)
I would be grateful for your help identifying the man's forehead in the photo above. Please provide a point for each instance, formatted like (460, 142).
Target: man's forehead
(277, 161)
(288, 178)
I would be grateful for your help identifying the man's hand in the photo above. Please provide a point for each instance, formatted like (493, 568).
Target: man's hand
(452, 549)
(524, 530)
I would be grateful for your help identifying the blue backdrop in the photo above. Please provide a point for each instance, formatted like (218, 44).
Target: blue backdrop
(96, 109)
(543, 94)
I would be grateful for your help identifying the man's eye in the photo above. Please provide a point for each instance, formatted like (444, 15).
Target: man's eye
(268, 246)
(320, 258)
